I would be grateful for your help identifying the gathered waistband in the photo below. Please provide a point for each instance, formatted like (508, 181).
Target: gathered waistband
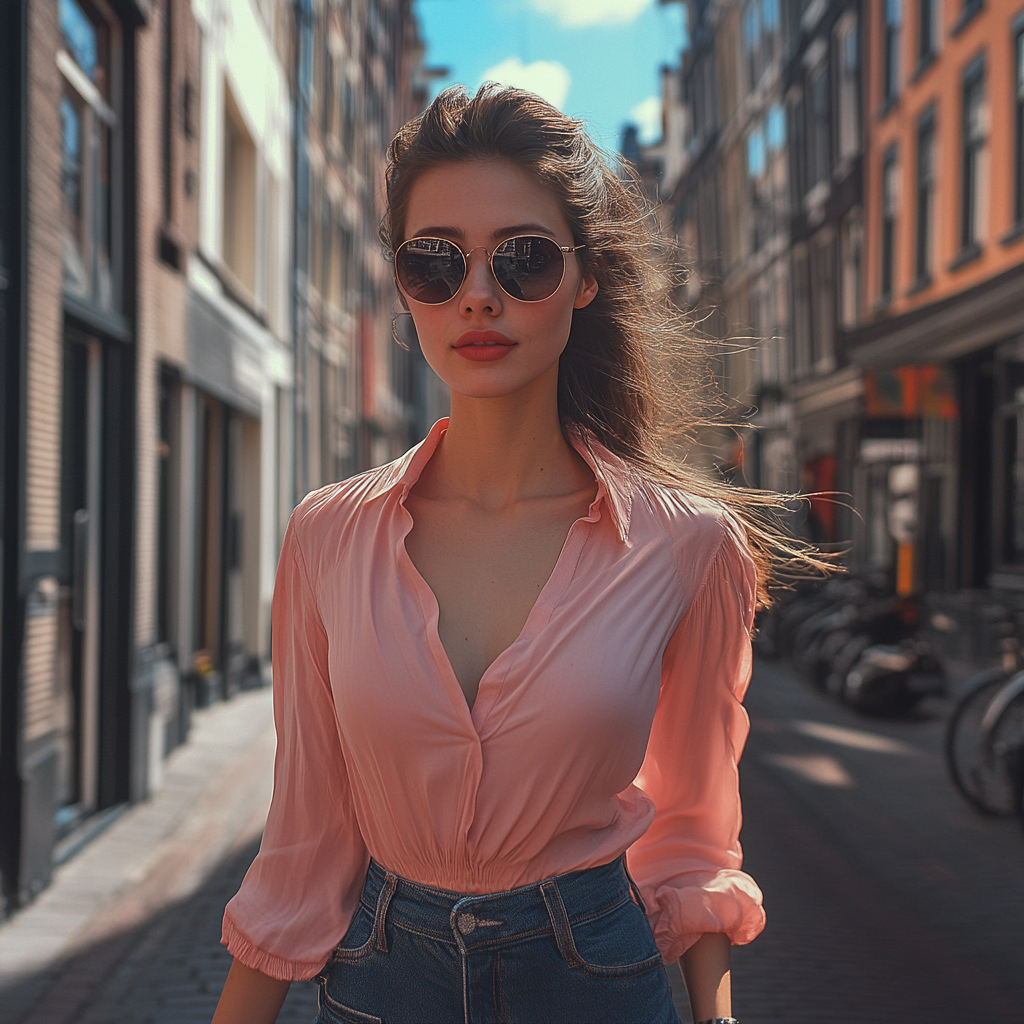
(475, 921)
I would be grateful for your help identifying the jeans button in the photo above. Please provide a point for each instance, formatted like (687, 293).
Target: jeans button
(466, 923)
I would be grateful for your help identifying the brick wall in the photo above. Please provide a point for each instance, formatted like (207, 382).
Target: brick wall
(45, 280)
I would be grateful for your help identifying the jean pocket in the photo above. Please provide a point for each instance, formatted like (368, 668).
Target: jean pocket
(358, 941)
(333, 1012)
(617, 944)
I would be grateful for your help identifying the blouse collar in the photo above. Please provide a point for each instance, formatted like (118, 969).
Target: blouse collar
(615, 479)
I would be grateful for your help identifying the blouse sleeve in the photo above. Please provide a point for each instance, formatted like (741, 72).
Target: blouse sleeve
(300, 893)
(688, 862)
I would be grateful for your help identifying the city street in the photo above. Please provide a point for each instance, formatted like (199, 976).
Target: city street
(887, 898)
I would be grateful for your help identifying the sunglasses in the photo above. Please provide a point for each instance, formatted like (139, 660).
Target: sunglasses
(527, 267)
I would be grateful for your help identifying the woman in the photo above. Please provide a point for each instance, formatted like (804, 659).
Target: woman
(510, 664)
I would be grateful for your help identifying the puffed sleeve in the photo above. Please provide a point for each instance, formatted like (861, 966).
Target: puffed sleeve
(688, 862)
(300, 893)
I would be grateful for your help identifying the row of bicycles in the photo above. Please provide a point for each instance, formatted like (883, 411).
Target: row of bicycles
(854, 640)
(851, 638)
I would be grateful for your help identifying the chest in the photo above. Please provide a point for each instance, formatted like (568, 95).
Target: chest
(486, 570)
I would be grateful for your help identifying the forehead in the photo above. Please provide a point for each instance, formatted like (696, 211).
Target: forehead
(478, 197)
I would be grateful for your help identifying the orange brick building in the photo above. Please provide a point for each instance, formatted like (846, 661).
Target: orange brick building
(942, 295)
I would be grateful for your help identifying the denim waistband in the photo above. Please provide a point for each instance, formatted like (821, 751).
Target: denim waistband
(472, 921)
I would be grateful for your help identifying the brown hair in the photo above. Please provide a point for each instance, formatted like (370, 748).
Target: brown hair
(633, 374)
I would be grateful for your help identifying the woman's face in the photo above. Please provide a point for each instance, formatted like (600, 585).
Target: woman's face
(482, 342)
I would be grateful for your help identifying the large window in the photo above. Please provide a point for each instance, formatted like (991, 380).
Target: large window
(847, 48)
(890, 210)
(925, 204)
(851, 241)
(761, 19)
(891, 56)
(239, 244)
(88, 124)
(820, 128)
(973, 183)
(823, 290)
(927, 30)
(1018, 47)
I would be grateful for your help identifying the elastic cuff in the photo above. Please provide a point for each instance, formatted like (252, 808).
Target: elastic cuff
(242, 949)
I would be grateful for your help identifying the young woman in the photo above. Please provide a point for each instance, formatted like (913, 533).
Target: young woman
(508, 667)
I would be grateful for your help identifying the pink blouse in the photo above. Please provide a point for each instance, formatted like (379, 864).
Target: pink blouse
(613, 722)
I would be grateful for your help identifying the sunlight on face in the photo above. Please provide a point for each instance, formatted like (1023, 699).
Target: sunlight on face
(482, 342)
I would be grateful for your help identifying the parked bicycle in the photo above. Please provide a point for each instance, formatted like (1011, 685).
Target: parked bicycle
(985, 738)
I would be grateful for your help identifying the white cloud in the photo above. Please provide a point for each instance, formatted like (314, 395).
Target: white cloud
(547, 78)
(647, 117)
(577, 13)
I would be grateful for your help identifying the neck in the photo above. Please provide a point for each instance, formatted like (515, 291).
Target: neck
(497, 451)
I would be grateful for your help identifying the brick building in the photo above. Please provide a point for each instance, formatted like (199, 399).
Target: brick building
(67, 702)
(361, 399)
(161, 413)
(939, 349)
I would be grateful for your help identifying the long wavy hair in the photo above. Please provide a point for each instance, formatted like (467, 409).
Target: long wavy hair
(635, 373)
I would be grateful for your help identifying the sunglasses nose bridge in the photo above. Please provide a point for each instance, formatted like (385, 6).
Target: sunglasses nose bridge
(488, 253)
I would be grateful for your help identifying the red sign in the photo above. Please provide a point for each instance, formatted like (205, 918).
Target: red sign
(907, 392)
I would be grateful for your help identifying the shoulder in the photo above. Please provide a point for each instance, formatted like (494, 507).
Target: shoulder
(707, 537)
(330, 512)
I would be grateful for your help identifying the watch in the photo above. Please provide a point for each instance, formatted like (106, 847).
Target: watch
(720, 1020)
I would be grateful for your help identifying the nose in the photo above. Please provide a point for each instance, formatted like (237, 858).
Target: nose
(480, 293)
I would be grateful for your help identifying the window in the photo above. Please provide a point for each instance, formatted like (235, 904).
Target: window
(973, 185)
(798, 148)
(891, 56)
(752, 42)
(760, 37)
(890, 206)
(927, 30)
(925, 205)
(822, 296)
(801, 313)
(820, 133)
(847, 88)
(851, 241)
(1018, 46)
(239, 239)
(87, 123)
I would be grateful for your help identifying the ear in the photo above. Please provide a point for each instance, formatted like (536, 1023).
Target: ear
(586, 290)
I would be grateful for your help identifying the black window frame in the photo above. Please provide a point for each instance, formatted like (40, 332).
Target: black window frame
(927, 32)
(971, 146)
(893, 33)
(924, 195)
(889, 218)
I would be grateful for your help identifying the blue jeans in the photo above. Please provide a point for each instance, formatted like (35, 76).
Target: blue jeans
(572, 949)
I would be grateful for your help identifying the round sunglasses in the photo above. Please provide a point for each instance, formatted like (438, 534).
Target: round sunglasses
(527, 267)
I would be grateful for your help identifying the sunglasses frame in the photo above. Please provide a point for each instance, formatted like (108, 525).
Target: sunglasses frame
(563, 249)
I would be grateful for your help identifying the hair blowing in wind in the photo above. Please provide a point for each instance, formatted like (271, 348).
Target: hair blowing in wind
(635, 374)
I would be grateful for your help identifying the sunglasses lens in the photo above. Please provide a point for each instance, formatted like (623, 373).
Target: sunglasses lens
(529, 267)
(429, 270)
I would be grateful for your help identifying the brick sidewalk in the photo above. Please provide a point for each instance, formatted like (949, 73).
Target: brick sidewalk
(887, 898)
(146, 867)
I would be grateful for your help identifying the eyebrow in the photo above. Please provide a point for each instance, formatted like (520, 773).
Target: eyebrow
(500, 234)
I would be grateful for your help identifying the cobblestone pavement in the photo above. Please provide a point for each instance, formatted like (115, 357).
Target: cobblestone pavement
(887, 898)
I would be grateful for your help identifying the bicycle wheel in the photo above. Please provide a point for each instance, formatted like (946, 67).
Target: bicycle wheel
(977, 773)
(1003, 731)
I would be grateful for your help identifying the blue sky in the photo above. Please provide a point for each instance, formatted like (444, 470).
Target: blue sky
(596, 59)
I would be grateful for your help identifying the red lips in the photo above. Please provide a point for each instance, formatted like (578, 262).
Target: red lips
(483, 346)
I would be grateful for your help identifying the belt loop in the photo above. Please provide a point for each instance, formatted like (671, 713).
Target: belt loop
(634, 888)
(383, 901)
(560, 923)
